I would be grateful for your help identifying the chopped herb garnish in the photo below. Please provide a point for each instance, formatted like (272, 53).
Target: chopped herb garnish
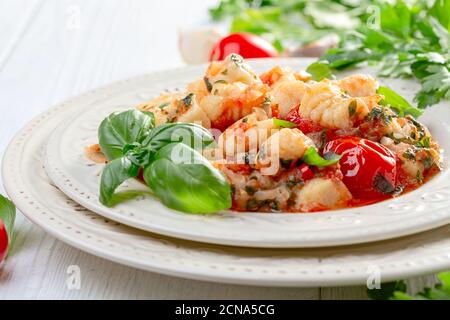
(409, 154)
(252, 204)
(418, 125)
(275, 206)
(225, 72)
(313, 158)
(323, 138)
(215, 91)
(283, 123)
(245, 120)
(220, 81)
(419, 176)
(375, 113)
(266, 102)
(424, 142)
(379, 113)
(246, 158)
(285, 163)
(187, 101)
(208, 84)
(237, 59)
(162, 106)
(381, 184)
(250, 190)
(352, 108)
(428, 162)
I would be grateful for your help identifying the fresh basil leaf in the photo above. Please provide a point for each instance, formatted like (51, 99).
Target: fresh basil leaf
(278, 123)
(313, 158)
(397, 102)
(320, 70)
(121, 128)
(186, 181)
(192, 135)
(114, 174)
(7, 215)
(138, 155)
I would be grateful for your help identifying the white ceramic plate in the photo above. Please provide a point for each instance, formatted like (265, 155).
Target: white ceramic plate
(423, 209)
(36, 197)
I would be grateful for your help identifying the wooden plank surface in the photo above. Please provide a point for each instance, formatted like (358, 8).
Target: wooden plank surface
(54, 49)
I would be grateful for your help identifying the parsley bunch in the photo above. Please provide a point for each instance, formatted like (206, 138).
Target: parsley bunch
(405, 41)
(291, 22)
(397, 291)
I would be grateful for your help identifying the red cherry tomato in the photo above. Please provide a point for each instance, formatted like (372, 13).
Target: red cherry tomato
(369, 168)
(305, 125)
(300, 173)
(3, 241)
(306, 172)
(245, 44)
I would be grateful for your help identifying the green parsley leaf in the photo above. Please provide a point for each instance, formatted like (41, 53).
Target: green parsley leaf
(320, 70)
(343, 58)
(163, 105)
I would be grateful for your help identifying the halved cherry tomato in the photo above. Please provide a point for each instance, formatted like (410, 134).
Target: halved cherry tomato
(300, 173)
(369, 168)
(3, 241)
(306, 172)
(305, 125)
(245, 44)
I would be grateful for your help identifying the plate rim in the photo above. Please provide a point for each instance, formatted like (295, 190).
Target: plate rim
(440, 263)
(343, 237)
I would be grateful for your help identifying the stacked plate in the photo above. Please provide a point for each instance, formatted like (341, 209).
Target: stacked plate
(48, 177)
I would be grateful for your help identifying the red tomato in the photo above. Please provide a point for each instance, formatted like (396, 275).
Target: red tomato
(3, 241)
(245, 44)
(305, 125)
(306, 172)
(369, 168)
(300, 173)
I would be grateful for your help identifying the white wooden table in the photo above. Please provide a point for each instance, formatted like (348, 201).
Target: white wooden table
(53, 49)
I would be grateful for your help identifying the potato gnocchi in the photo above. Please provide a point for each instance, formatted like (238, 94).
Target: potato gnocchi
(287, 143)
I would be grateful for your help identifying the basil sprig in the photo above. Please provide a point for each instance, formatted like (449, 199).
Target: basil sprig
(121, 128)
(167, 155)
(184, 180)
(114, 174)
